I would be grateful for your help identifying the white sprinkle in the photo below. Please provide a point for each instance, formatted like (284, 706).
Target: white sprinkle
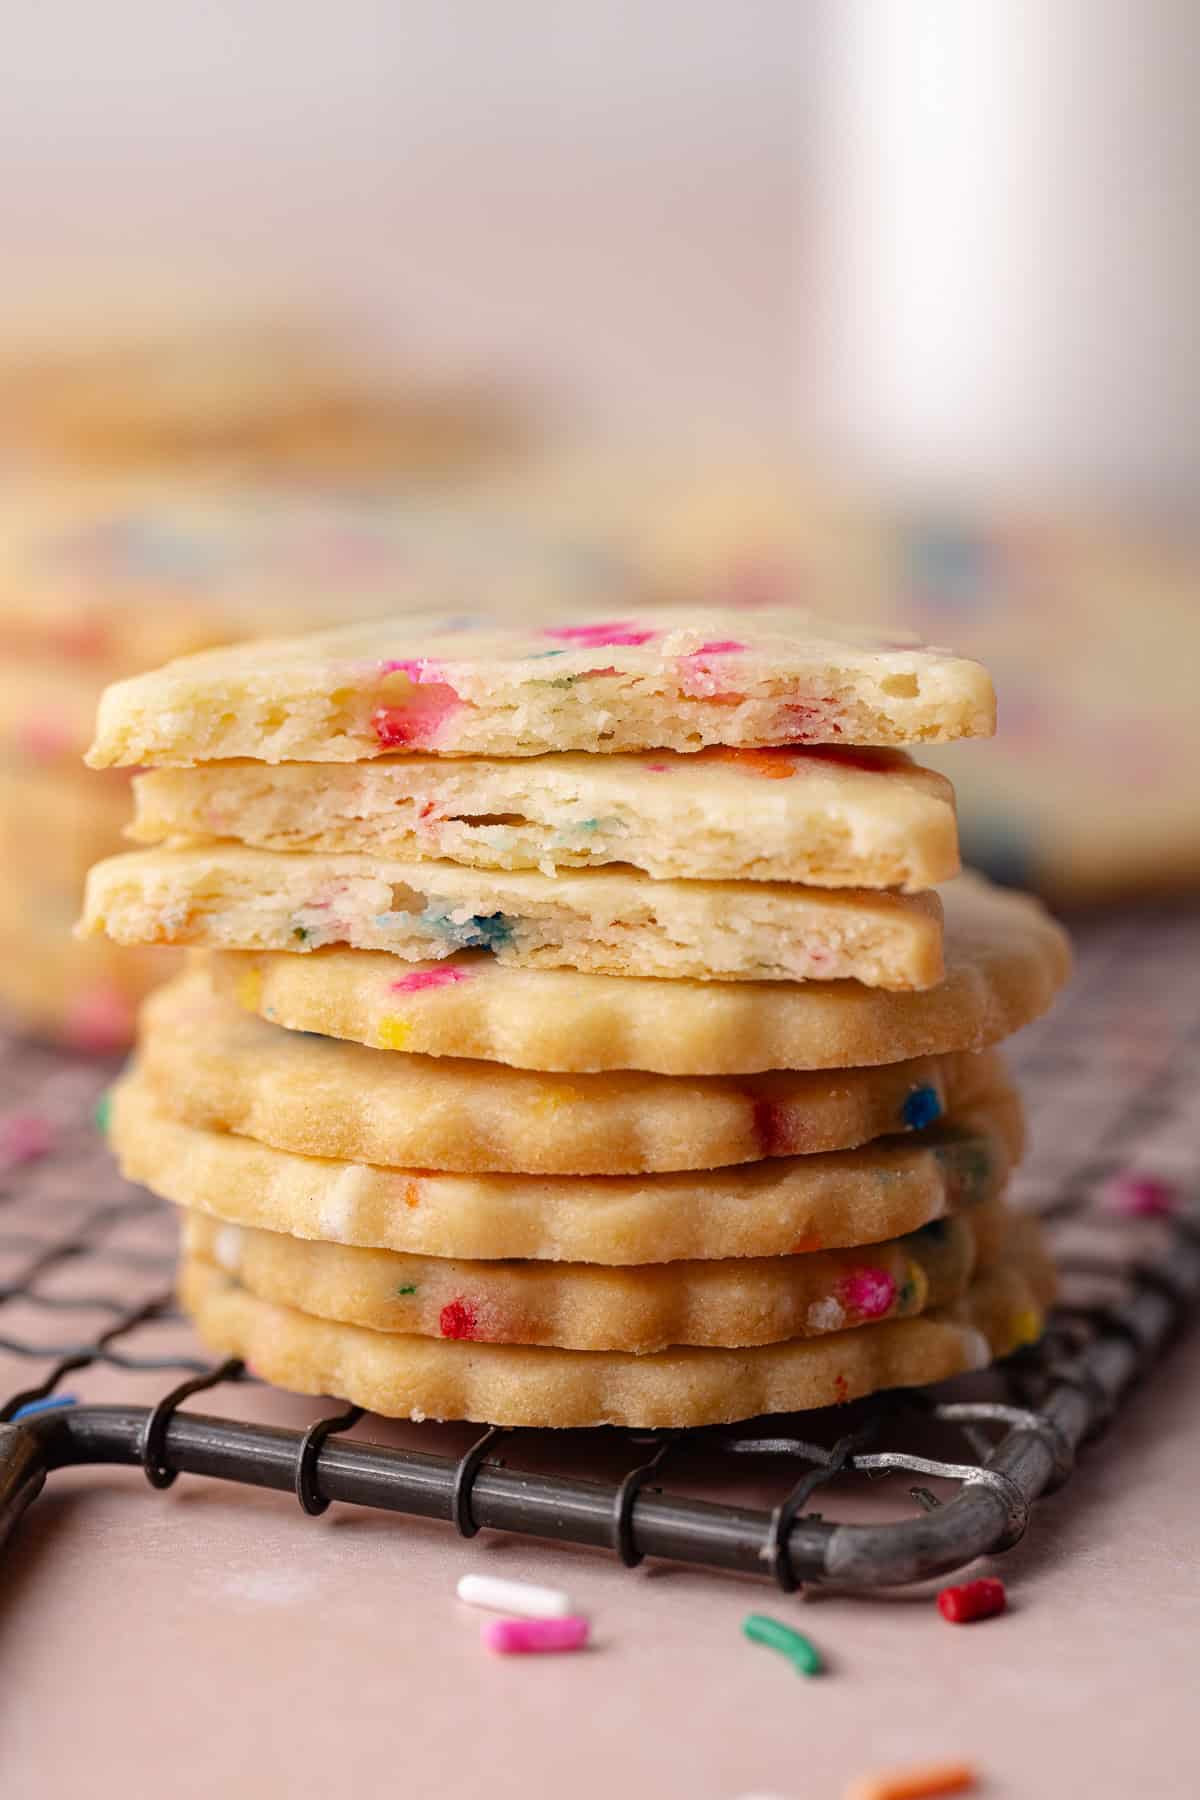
(826, 1315)
(976, 1347)
(519, 1597)
(227, 1248)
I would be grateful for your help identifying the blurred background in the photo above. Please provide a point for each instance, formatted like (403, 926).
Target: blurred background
(888, 306)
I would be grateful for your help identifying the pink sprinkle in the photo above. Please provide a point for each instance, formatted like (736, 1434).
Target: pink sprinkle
(1141, 1196)
(419, 669)
(23, 1138)
(101, 1020)
(429, 978)
(721, 647)
(526, 1637)
(657, 768)
(598, 637)
(869, 1292)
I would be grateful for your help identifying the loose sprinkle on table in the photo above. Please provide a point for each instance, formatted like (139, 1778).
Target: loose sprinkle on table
(804, 1656)
(520, 1597)
(531, 1637)
(915, 1784)
(981, 1599)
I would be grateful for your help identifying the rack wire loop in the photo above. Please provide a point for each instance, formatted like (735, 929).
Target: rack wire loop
(154, 1433)
(625, 1498)
(465, 1472)
(312, 1501)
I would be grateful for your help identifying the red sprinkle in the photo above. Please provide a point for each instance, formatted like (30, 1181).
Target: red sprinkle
(394, 727)
(457, 1320)
(525, 1637)
(596, 637)
(868, 1292)
(428, 978)
(980, 1599)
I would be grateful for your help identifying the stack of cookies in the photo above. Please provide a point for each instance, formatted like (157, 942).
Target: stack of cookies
(575, 1035)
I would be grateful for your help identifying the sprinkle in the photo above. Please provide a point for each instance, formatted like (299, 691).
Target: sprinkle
(300, 933)
(24, 1137)
(412, 1194)
(519, 1597)
(922, 1107)
(457, 1319)
(981, 1599)
(1027, 1326)
(869, 1292)
(597, 637)
(525, 1637)
(915, 1784)
(102, 1113)
(51, 1403)
(410, 1287)
(719, 647)
(657, 768)
(803, 1655)
(393, 1032)
(227, 1248)
(1141, 1196)
(775, 763)
(442, 976)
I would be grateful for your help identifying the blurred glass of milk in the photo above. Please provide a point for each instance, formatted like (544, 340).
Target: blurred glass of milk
(1008, 246)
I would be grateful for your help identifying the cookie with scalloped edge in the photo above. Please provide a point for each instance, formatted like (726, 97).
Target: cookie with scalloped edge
(404, 1376)
(216, 1066)
(1005, 961)
(579, 1306)
(823, 816)
(612, 921)
(657, 679)
(789, 1205)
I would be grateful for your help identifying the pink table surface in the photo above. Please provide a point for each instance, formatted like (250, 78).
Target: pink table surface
(213, 1639)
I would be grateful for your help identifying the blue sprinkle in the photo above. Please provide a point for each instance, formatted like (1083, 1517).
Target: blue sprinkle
(492, 930)
(540, 655)
(921, 1108)
(482, 931)
(51, 1403)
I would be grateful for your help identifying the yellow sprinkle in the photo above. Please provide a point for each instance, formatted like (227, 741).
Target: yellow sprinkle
(248, 989)
(393, 1032)
(1027, 1326)
(917, 1279)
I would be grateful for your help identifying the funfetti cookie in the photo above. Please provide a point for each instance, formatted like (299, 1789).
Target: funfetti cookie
(783, 1206)
(461, 687)
(214, 1065)
(509, 1384)
(826, 817)
(578, 1306)
(1005, 960)
(615, 921)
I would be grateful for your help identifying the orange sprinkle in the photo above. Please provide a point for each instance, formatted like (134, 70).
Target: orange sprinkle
(915, 1784)
(806, 1245)
(771, 763)
(412, 1194)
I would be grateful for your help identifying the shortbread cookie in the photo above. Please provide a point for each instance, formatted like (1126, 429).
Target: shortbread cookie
(608, 921)
(780, 1207)
(509, 1384)
(827, 817)
(662, 679)
(1005, 960)
(216, 1066)
(577, 1306)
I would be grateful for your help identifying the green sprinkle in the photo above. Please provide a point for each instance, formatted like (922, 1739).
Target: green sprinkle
(803, 1656)
(298, 931)
(103, 1113)
(410, 1289)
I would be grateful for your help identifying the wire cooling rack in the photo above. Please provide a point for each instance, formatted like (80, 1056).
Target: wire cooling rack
(1112, 1081)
